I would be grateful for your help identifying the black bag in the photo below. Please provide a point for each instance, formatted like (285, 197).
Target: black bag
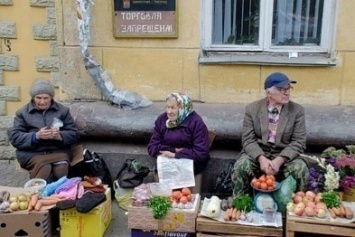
(223, 187)
(94, 166)
(131, 174)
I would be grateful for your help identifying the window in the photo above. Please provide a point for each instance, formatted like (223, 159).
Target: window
(268, 31)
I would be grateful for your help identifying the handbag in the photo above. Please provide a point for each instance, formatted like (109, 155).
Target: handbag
(223, 186)
(131, 174)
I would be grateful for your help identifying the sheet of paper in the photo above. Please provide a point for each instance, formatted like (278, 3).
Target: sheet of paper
(176, 173)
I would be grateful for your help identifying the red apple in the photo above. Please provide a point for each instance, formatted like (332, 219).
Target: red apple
(297, 199)
(309, 211)
(299, 210)
(300, 193)
(311, 195)
(311, 204)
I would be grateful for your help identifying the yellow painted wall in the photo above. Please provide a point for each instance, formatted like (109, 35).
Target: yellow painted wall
(156, 67)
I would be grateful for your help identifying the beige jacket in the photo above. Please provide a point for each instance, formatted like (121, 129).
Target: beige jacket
(290, 135)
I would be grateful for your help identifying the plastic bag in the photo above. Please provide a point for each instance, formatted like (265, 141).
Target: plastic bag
(122, 195)
(284, 194)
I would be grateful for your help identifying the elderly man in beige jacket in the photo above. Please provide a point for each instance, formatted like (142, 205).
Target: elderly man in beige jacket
(274, 135)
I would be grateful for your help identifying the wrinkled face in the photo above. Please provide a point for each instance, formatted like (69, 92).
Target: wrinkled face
(279, 95)
(42, 101)
(172, 109)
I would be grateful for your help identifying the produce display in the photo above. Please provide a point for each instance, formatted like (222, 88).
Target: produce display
(265, 183)
(309, 204)
(182, 198)
(26, 201)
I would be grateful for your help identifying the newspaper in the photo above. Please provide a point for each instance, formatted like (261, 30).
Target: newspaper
(257, 218)
(176, 173)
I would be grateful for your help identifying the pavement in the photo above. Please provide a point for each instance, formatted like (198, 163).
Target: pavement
(12, 176)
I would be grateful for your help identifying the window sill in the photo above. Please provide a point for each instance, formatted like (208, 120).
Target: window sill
(266, 59)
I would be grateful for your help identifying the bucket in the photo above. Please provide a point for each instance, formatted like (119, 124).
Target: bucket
(349, 195)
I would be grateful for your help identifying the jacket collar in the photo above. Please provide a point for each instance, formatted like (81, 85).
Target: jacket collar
(32, 108)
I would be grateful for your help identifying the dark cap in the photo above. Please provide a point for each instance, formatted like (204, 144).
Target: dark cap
(42, 86)
(277, 79)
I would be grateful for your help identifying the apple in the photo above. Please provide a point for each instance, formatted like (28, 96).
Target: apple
(300, 193)
(290, 207)
(310, 194)
(309, 211)
(318, 197)
(299, 210)
(311, 204)
(321, 205)
(306, 200)
(297, 199)
(321, 213)
(301, 205)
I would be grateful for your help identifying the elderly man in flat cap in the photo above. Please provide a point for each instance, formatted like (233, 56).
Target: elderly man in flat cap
(274, 135)
(43, 134)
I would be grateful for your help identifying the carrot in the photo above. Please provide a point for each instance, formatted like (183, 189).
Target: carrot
(34, 200)
(237, 215)
(234, 214)
(226, 214)
(348, 213)
(38, 205)
(48, 202)
(331, 212)
(336, 210)
(230, 213)
(342, 211)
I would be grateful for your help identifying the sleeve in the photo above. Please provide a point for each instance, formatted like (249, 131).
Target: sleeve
(200, 143)
(156, 143)
(18, 135)
(249, 138)
(69, 131)
(298, 138)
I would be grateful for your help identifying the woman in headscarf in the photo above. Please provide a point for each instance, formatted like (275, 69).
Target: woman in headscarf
(180, 133)
(43, 134)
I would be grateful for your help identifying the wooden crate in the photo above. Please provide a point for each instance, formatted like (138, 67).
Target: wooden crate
(312, 226)
(206, 227)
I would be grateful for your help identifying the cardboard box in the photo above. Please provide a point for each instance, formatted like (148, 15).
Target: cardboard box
(176, 220)
(154, 233)
(93, 224)
(24, 223)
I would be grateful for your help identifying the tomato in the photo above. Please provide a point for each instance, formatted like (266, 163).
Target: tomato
(270, 176)
(185, 191)
(183, 200)
(263, 186)
(257, 184)
(269, 182)
(177, 195)
(262, 178)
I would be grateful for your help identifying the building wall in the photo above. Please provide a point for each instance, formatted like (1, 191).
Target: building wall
(44, 44)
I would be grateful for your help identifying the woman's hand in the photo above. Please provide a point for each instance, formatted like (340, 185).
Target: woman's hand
(48, 134)
(168, 154)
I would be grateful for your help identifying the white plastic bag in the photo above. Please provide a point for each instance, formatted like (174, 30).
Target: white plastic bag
(176, 173)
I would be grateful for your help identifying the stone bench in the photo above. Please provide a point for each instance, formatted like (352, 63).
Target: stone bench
(118, 134)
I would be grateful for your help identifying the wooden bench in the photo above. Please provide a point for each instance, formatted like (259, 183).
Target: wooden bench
(312, 226)
(206, 227)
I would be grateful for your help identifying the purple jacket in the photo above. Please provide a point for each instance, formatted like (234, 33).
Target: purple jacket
(191, 134)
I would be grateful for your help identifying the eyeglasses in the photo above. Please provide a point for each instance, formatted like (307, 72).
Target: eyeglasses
(284, 89)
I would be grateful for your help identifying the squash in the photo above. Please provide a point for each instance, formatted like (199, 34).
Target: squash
(214, 207)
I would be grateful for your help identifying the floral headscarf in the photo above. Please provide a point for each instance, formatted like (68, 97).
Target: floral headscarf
(185, 109)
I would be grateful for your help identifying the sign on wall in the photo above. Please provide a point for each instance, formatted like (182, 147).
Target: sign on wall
(145, 18)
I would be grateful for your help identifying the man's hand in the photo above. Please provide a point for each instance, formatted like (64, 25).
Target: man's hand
(265, 164)
(168, 154)
(276, 164)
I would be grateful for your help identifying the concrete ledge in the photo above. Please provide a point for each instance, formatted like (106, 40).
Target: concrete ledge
(326, 125)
